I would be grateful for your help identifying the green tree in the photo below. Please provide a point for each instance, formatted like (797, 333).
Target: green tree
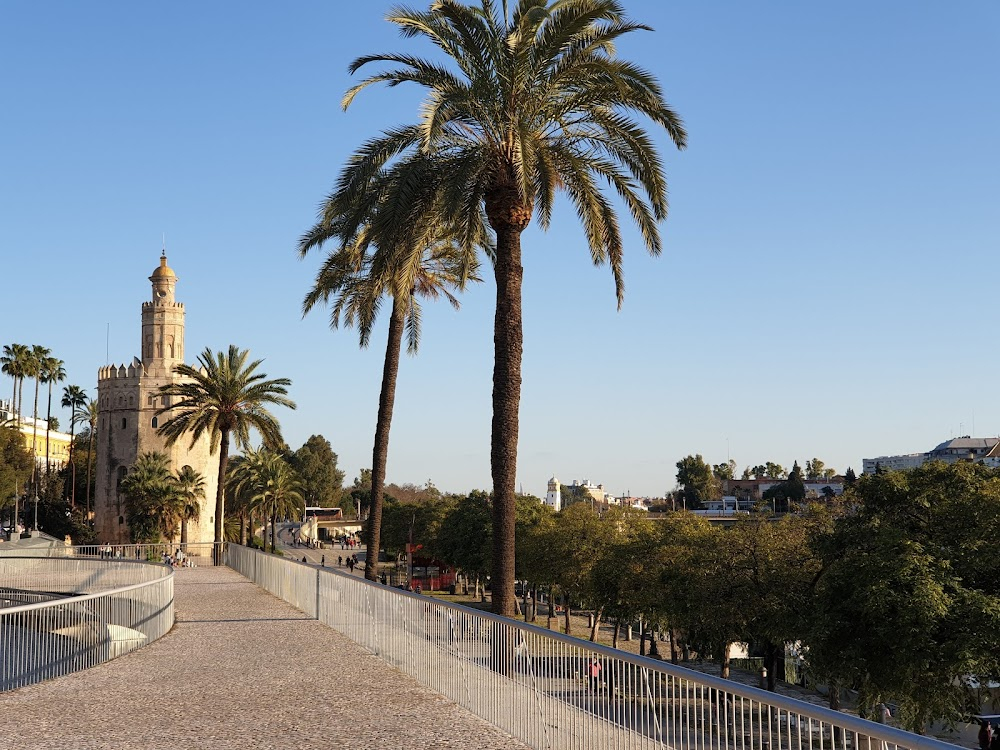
(698, 483)
(15, 466)
(908, 602)
(355, 279)
(52, 371)
(225, 397)
(191, 488)
(88, 414)
(536, 101)
(276, 492)
(74, 398)
(316, 465)
(153, 505)
(725, 471)
(774, 471)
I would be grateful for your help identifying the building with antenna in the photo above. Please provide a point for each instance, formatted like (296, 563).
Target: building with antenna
(965, 448)
(128, 398)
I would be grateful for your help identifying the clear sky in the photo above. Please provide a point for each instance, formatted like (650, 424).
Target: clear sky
(827, 288)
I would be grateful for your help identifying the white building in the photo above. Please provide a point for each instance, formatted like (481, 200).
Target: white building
(965, 448)
(553, 497)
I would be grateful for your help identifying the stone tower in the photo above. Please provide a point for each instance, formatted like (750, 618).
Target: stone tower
(127, 424)
(553, 497)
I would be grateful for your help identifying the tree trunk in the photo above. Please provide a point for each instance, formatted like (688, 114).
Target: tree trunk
(220, 497)
(274, 530)
(380, 452)
(550, 610)
(72, 463)
(48, 419)
(508, 215)
(569, 625)
(654, 650)
(34, 439)
(597, 625)
(184, 532)
(674, 656)
(524, 591)
(772, 667)
(614, 637)
(244, 528)
(90, 450)
(724, 660)
(642, 637)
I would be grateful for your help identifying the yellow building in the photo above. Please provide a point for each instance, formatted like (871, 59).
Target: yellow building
(33, 431)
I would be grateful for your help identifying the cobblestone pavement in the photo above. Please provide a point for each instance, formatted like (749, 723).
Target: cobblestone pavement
(241, 669)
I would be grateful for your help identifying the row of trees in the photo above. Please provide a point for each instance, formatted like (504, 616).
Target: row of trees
(892, 590)
(700, 481)
(530, 99)
(21, 362)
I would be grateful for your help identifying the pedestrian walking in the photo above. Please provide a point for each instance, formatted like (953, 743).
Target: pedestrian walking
(985, 734)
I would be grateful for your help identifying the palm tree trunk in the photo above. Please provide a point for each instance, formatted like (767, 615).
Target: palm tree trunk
(72, 464)
(504, 210)
(274, 529)
(90, 451)
(34, 438)
(220, 496)
(380, 452)
(48, 419)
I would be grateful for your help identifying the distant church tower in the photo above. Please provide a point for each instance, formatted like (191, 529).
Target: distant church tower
(127, 425)
(553, 497)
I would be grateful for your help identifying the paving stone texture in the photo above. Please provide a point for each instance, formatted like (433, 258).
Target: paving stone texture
(240, 669)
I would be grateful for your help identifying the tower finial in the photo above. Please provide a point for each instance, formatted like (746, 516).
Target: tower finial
(163, 253)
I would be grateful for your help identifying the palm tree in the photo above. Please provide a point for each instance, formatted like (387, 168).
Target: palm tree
(277, 491)
(153, 502)
(426, 264)
(535, 101)
(39, 354)
(73, 398)
(88, 414)
(52, 372)
(15, 359)
(224, 397)
(191, 486)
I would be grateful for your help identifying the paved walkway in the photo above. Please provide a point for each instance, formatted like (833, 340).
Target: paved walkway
(241, 669)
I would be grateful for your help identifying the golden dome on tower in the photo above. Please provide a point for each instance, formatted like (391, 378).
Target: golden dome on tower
(163, 271)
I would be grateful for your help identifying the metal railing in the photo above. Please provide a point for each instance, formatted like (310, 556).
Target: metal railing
(198, 554)
(92, 610)
(554, 691)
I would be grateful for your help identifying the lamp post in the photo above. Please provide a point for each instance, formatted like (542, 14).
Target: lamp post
(36, 511)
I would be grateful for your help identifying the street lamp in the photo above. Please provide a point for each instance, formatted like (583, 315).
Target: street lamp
(36, 511)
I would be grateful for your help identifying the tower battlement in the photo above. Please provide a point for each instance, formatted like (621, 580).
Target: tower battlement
(121, 372)
(162, 303)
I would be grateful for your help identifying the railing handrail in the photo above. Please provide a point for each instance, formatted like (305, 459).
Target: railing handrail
(77, 598)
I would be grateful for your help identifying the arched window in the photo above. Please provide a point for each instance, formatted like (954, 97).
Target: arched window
(122, 472)
(124, 423)
(121, 520)
(155, 423)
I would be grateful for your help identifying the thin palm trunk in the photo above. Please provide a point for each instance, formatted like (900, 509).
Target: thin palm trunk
(72, 465)
(220, 496)
(508, 342)
(90, 451)
(34, 439)
(381, 450)
(48, 420)
(274, 529)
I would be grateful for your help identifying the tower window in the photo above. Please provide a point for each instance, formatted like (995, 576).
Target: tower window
(124, 423)
(154, 423)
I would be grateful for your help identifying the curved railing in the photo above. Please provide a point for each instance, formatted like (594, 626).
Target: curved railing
(536, 685)
(92, 610)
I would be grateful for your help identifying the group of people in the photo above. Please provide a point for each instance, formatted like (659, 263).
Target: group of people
(177, 560)
(349, 542)
(351, 562)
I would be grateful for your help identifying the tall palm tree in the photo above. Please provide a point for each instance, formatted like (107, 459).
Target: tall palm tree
(153, 502)
(15, 359)
(191, 487)
(224, 397)
(52, 372)
(534, 100)
(88, 414)
(73, 398)
(36, 362)
(356, 279)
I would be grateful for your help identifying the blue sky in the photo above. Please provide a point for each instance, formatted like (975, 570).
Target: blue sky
(826, 289)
